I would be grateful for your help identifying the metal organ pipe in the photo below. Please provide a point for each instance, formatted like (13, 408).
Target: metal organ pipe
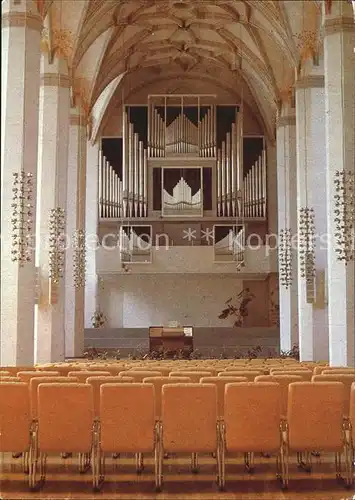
(218, 183)
(135, 173)
(145, 183)
(233, 170)
(264, 182)
(100, 186)
(130, 169)
(223, 178)
(228, 172)
(124, 162)
(141, 178)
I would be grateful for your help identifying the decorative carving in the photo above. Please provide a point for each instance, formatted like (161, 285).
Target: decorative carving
(307, 250)
(63, 43)
(22, 217)
(308, 44)
(56, 243)
(344, 212)
(81, 94)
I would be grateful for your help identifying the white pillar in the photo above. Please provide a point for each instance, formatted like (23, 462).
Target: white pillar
(76, 194)
(287, 220)
(339, 44)
(20, 73)
(91, 223)
(311, 193)
(51, 194)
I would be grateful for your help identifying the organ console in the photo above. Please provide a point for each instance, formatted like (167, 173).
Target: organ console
(170, 340)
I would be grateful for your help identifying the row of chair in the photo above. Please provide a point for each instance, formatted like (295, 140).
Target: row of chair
(281, 377)
(189, 421)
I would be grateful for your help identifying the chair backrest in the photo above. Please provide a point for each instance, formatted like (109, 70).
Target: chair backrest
(288, 368)
(65, 417)
(306, 375)
(34, 383)
(208, 369)
(127, 417)
(252, 416)
(220, 383)
(315, 416)
(317, 370)
(26, 376)
(194, 375)
(113, 369)
(13, 370)
(140, 374)
(248, 374)
(9, 379)
(158, 383)
(331, 371)
(15, 418)
(97, 382)
(345, 379)
(352, 413)
(4, 373)
(284, 381)
(82, 375)
(189, 418)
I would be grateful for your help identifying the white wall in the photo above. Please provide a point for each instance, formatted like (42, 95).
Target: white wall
(133, 301)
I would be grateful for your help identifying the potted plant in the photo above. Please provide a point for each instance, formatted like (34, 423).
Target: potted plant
(98, 319)
(238, 309)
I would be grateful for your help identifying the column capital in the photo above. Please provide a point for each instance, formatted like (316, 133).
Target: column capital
(77, 117)
(338, 16)
(20, 15)
(339, 25)
(310, 81)
(287, 115)
(310, 75)
(54, 73)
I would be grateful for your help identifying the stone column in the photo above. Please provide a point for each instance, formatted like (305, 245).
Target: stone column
(91, 223)
(51, 194)
(287, 221)
(311, 194)
(76, 194)
(20, 74)
(339, 43)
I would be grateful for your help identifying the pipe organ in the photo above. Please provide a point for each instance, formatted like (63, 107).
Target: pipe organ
(191, 132)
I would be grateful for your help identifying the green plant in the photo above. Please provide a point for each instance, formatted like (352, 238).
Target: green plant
(238, 308)
(294, 353)
(98, 319)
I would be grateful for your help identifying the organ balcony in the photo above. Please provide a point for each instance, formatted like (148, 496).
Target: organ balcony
(137, 250)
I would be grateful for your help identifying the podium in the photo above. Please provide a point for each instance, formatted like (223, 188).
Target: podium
(170, 340)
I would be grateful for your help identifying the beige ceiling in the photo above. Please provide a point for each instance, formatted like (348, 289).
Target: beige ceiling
(235, 48)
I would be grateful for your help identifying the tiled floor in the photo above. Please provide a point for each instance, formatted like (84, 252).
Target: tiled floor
(122, 483)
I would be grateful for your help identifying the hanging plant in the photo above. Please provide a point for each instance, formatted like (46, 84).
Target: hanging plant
(98, 319)
(238, 308)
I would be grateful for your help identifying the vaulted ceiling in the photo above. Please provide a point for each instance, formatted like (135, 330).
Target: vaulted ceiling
(247, 49)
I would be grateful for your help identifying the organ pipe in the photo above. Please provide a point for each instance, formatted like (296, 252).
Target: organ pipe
(145, 184)
(219, 183)
(233, 170)
(229, 187)
(100, 186)
(223, 178)
(136, 172)
(141, 179)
